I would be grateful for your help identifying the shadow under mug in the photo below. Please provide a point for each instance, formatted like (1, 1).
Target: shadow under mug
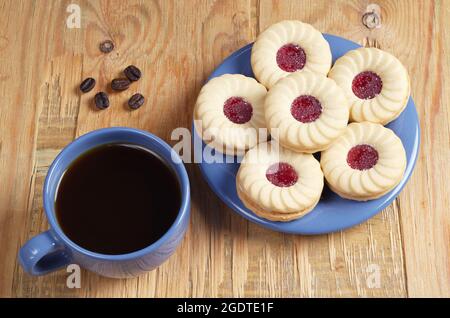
(52, 249)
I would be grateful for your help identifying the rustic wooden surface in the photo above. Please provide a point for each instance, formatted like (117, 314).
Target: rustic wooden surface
(177, 44)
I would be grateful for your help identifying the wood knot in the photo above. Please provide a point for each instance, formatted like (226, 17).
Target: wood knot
(372, 16)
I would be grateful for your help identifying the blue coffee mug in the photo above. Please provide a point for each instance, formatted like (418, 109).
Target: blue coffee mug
(52, 249)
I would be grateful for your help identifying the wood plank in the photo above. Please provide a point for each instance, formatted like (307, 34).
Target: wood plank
(177, 45)
(19, 73)
(170, 62)
(178, 50)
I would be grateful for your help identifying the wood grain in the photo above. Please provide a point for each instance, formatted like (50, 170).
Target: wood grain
(177, 44)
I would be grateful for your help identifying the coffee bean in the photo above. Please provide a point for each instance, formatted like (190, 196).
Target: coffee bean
(120, 84)
(106, 46)
(136, 101)
(132, 72)
(87, 85)
(101, 100)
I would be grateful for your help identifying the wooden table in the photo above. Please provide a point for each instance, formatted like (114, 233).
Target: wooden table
(177, 44)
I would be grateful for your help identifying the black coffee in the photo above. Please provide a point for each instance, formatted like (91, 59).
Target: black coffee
(117, 199)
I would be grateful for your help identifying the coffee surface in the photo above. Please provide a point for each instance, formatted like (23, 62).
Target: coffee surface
(117, 199)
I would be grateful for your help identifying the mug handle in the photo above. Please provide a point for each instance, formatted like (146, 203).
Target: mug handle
(43, 254)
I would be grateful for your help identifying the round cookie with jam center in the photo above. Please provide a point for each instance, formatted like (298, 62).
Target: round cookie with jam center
(365, 163)
(278, 184)
(375, 83)
(229, 113)
(286, 47)
(306, 112)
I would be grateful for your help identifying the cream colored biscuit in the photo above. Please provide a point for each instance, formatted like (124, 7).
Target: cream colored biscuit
(210, 116)
(384, 105)
(373, 173)
(285, 196)
(309, 42)
(303, 134)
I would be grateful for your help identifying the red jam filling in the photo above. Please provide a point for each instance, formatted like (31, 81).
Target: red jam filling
(281, 174)
(237, 110)
(306, 108)
(362, 157)
(291, 58)
(367, 85)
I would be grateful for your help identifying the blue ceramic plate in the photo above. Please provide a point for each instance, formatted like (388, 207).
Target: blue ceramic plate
(332, 213)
